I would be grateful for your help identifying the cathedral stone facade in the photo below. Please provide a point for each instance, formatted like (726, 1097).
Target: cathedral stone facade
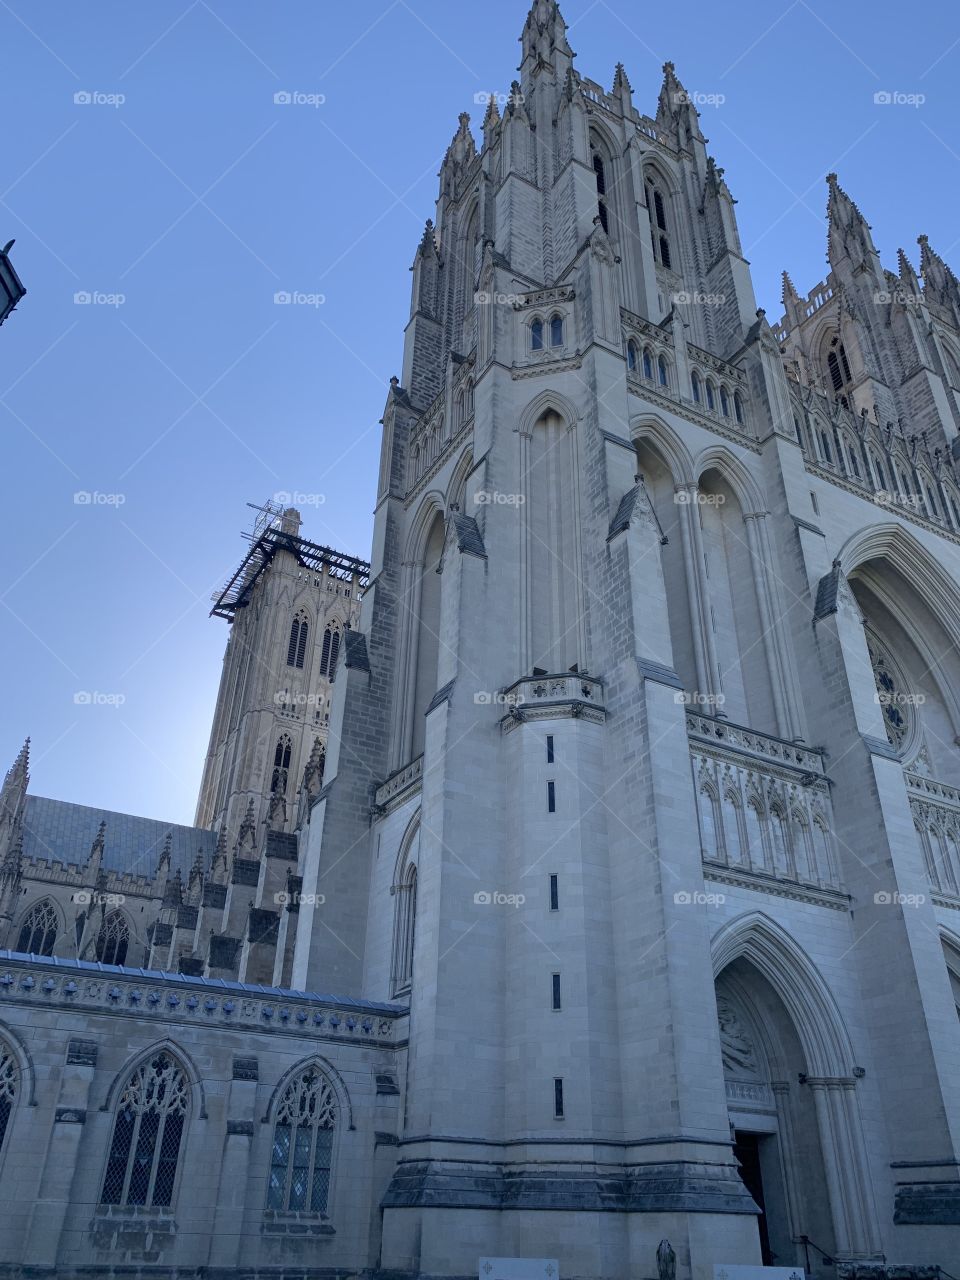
(614, 916)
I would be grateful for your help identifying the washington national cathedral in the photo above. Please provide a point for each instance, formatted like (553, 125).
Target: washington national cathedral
(579, 880)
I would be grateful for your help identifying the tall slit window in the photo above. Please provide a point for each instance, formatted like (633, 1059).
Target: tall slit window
(556, 331)
(536, 335)
(281, 765)
(302, 1154)
(297, 644)
(405, 923)
(657, 208)
(600, 174)
(38, 933)
(147, 1136)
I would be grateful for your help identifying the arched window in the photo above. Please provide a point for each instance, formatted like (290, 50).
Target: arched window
(662, 376)
(709, 826)
(329, 651)
(536, 335)
(724, 402)
(113, 939)
(405, 923)
(556, 331)
(657, 209)
(711, 396)
(755, 842)
(147, 1135)
(738, 407)
(695, 383)
(303, 1146)
(632, 355)
(647, 363)
(825, 446)
(38, 933)
(838, 366)
(297, 644)
(9, 1075)
(281, 765)
(600, 174)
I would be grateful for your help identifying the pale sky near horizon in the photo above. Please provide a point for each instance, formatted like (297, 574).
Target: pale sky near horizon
(180, 198)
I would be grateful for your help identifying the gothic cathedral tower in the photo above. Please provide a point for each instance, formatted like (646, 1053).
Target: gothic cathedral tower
(571, 549)
(289, 604)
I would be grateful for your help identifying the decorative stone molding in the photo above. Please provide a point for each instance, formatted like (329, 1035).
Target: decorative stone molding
(171, 997)
(552, 697)
(544, 366)
(731, 738)
(400, 785)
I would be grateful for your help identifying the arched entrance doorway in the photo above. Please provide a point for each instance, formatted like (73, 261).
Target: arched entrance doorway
(791, 1100)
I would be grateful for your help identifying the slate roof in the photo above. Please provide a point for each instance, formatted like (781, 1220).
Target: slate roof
(56, 830)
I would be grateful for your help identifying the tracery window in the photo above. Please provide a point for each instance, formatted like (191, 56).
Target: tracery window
(303, 1145)
(895, 702)
(113, 939)
(658, 225)
(38, 933)
(147, 1135)
(329, 651)
(297, 644)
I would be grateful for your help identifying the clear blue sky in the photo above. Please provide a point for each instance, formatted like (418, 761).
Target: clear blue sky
(198, 198)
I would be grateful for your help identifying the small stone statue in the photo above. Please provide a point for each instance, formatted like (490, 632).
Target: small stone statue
(666, 1261)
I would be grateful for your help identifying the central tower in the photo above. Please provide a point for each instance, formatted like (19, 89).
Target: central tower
(508, 708)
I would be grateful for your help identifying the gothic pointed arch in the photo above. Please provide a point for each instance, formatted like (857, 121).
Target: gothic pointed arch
(113, 938)
(198, 1097)
(11, 1090)
(306, 1120)
(545, 402)
(799, 984)
(23, 1065)
(456, 489)
(40, 928)
(717, 457)
(650, 428)
(553, 605)
(146, 1152)
(419, 651)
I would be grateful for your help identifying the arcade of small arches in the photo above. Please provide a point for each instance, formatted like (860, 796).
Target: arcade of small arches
(433, 438)
(647, 362)
(893, 471)
(154, 1101)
